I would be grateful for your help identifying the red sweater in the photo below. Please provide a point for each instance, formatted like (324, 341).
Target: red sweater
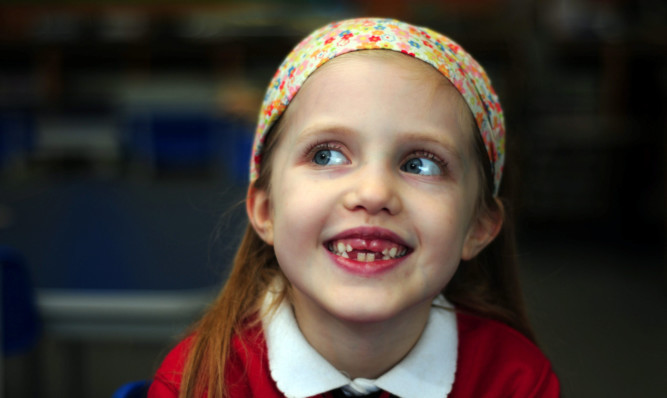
(493, 361)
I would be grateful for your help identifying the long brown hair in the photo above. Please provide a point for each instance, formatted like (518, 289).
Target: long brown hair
(486, 285)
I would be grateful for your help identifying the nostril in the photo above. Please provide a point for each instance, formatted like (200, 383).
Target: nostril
(374, 192)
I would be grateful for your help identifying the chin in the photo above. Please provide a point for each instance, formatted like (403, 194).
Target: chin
(367, 310)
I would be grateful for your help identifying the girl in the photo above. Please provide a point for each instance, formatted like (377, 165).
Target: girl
(375, 263)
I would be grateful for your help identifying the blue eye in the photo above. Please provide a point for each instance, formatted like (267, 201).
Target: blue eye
(421, 166)
(329, 157)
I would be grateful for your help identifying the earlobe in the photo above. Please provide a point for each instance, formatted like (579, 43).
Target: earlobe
(483, 231)
(258, 207)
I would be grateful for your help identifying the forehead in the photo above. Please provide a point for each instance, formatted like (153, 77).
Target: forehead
(404, 66)
(349, 85)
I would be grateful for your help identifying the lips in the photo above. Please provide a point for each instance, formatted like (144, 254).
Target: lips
(368, 245)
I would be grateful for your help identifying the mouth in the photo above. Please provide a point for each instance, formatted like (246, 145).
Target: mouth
(368, 245)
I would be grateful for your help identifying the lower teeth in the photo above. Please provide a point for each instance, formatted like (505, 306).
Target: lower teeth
(368, 256)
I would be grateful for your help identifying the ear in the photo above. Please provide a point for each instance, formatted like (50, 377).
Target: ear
(258, 207)
(483, 230)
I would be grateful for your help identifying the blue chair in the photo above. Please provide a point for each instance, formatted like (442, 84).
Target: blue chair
(170, 140)
(17, 135)
(135, 389)
(21, 325)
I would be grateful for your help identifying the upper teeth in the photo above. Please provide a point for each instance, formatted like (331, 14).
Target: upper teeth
(342, 249)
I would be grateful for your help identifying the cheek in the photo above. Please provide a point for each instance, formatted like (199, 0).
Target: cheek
(444, 230)
(299, 214)
(446, 241)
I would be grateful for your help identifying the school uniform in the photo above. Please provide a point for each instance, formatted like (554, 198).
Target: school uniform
(459, 355)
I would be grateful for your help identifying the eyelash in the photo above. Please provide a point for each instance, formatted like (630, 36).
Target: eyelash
(311, 150)
(421, 153)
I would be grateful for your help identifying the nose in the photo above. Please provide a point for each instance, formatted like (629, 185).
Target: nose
(374, 190)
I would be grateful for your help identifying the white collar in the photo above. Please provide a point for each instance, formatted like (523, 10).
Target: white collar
(426, 372)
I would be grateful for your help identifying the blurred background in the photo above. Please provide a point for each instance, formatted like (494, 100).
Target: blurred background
(125, 130)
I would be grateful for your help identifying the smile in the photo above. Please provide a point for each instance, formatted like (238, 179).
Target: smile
(359, 249)
(368, 244)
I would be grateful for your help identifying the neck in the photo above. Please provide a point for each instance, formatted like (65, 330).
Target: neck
(361, 349)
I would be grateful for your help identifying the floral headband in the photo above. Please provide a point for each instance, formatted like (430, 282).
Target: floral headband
(425, 44)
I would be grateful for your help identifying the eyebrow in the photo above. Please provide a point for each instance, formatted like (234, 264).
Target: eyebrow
(432, 138)
(320, 128)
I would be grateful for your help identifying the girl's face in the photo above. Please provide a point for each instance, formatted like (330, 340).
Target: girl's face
(373, 190)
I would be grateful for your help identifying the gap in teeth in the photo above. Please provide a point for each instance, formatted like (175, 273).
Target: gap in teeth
(342, 249)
